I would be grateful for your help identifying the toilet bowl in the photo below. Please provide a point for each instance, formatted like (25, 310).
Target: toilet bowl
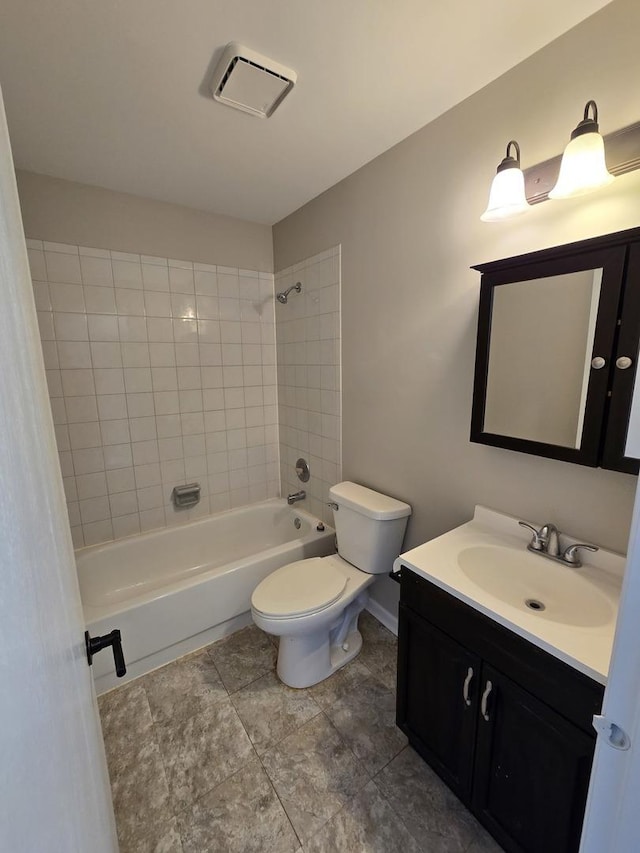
(313, 605)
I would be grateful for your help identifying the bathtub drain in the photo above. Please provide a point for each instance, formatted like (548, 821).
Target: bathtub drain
(534, 604)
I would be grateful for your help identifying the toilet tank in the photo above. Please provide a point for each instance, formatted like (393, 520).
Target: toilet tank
(369, 526)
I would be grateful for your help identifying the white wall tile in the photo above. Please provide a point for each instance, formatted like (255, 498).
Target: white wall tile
(159, 330)
(36, 263)
(120, 480)
(115, 431)
(127, 273)
(99, 300)
(76, 383)
(143, 429)
(184, 305)
(103, 327)
(168, 425)
(105, 354)
(155, 277)
(135, 354)
(91, 485)
(66, 297)
(98, 531)
(140, 405)
(147, 475)
(123, 503)
(206, 282)
(96, 271)
(92, 252)
(157, 304)
(181, 279)
(188, 355)
(126, 525)
(60, 247)
(42, 296)
(112, 407)
(137, 379)
(129, 302)
(147, 384)
(132, 328)
(62, 267)
(308, 357)
(118, 456)
(87, 461)
(152, 518)
(81, 409)
(109, 380)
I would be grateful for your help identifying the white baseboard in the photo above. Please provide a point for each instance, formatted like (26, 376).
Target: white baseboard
(389, 620)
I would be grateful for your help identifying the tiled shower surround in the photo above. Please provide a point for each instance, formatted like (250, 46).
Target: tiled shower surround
(161, 372)
(308, 336)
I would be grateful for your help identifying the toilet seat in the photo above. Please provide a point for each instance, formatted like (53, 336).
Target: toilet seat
(299, 589)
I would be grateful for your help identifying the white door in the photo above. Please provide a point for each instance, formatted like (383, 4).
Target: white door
(612, 819)
(54, 790)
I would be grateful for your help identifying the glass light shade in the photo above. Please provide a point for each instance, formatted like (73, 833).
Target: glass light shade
(507, 196)
(583, 168)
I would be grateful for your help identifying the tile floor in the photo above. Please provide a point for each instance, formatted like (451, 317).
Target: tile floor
(212, 754)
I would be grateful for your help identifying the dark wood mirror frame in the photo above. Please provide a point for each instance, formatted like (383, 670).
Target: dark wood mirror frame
(617, 333)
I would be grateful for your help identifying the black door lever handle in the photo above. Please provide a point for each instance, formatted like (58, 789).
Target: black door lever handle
(113, 639)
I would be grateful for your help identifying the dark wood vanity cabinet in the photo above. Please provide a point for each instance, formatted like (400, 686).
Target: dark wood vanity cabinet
(557, 347)
(506, 725)
(439, 723)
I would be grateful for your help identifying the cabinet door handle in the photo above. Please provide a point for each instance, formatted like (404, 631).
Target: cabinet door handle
(465, 686)
(485, 698)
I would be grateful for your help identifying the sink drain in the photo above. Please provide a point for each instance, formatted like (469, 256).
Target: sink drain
(534, 604)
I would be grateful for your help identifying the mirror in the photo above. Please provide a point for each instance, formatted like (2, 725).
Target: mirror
(540, 347)
(558, 339)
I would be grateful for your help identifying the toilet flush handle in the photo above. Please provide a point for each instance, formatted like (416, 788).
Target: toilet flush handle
(333, 505)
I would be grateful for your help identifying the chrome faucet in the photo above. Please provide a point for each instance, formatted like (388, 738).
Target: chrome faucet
(546, 542)
(296, 496)
(550, 534)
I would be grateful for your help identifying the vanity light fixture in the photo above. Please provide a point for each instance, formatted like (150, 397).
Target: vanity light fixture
(579, 170)
(507, 196)
(583, 168)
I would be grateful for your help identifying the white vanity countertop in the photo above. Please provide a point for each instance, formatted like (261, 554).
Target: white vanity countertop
(583, 641)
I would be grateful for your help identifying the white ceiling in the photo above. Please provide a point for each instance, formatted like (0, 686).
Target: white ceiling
(113, 92)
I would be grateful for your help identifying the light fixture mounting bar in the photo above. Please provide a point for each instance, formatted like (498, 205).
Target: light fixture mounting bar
(622, 148)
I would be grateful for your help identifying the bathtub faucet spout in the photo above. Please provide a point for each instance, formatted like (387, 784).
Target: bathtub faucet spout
(296, 496)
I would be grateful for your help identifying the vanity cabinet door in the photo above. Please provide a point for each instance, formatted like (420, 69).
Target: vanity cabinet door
(438, 683)
(532, 770)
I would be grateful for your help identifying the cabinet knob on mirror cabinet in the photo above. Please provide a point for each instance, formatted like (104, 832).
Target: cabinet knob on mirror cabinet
(598, 362)
(623, 362)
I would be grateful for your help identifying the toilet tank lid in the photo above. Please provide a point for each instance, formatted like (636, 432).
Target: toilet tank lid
(367, 502)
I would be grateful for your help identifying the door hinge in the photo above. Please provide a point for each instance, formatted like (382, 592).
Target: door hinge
(614, 734)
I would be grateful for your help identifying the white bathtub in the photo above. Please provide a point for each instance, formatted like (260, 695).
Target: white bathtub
(175, 590)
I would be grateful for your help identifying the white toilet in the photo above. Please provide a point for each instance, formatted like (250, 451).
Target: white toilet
(313, 605)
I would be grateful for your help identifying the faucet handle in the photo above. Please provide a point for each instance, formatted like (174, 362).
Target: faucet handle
(539, 540)
(571, 555)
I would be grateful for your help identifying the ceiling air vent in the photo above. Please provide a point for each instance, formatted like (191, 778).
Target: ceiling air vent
(250, 82)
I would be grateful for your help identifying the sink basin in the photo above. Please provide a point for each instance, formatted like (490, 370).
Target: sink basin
(537, 585)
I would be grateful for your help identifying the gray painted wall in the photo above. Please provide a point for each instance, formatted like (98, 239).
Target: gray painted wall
(67, 212)
(409, 227)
